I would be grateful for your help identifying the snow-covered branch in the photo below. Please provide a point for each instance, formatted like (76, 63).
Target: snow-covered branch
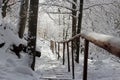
(59, 12)
(94, 5)
(58, 5)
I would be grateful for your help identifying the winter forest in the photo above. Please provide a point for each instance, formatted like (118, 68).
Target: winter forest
(59, 39)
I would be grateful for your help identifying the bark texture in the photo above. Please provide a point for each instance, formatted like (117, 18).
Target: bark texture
(23, 17)
(32, 30)
(79, 30)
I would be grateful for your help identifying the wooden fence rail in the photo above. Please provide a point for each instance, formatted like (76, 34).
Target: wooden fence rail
(109, 43)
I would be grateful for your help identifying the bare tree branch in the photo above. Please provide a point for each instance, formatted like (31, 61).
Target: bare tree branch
(58, 5)
(59, 12)
(96, 5)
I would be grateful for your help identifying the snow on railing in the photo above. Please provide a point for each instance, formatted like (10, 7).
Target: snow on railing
(109, 43)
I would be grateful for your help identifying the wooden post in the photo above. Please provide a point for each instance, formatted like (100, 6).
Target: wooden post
(58, 51)
(73, 72)
(63, 53)
(52, 45)
(55, 49)
(68, 55)
(85, 60)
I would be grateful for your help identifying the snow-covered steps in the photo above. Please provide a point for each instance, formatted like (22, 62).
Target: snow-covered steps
(53, 79)
(56, 73)
(55, 76)
(48, 67)
(52, 70)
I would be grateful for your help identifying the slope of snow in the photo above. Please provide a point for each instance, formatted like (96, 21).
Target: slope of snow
(48, 67)
(12, 68)
(106, 67)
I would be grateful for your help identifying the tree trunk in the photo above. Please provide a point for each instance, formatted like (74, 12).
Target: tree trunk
(74, 22)
(74, 19)
(4, 7)
(23, 17)
(79, 29)
(32, 30)
(0, 12)
(0, 3)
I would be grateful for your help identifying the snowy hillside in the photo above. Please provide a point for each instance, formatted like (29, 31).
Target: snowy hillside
(101, 65)
(47, 66)
(12, 68)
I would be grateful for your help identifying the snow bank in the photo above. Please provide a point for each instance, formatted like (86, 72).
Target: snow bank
(12, 68)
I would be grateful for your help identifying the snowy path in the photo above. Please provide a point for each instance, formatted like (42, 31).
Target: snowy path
(49, 68)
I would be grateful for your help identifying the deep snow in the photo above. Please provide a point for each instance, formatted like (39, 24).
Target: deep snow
(104, 67)
(47, 66)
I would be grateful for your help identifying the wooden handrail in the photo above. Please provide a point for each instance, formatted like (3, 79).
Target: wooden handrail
(109, 43)
(74, 37)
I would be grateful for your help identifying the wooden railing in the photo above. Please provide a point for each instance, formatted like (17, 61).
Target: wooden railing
(109, 43)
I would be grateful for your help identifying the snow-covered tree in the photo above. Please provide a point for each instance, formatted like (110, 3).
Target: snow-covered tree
(80, 15)
(23, 17)
(32, 31)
